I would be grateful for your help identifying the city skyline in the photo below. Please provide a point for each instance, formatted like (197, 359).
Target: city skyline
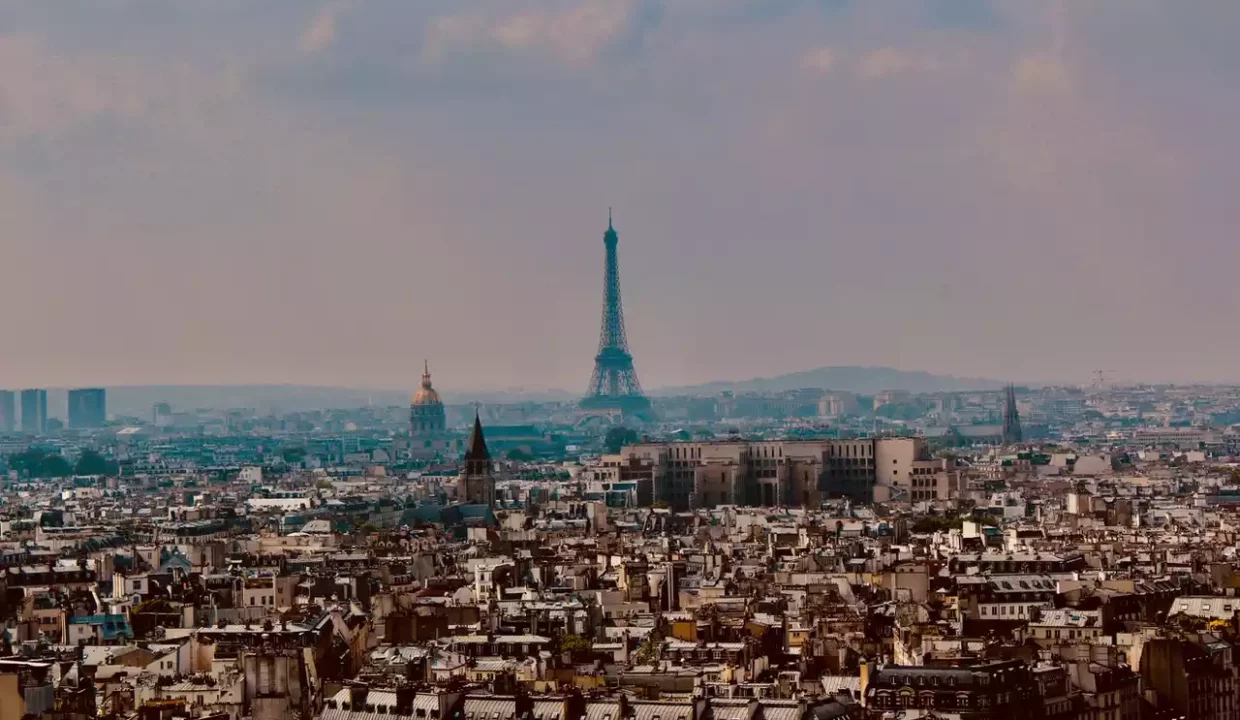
(326, 194)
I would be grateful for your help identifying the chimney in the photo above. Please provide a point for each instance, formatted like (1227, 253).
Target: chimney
(404, 699)
(357, 697)
(865, 679)
(671, 587)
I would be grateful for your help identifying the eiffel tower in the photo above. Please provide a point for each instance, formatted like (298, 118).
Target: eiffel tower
(614, 385)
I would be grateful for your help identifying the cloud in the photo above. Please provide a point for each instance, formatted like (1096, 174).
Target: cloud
(819, 60)
(1040, 73)
(45, 92)
(574, 34)
(450, 34)
(321, 33)
(889, 61)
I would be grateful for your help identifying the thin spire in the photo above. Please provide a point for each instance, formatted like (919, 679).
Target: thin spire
(477, 449)
(609, 218)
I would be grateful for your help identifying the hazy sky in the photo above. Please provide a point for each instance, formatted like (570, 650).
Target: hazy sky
(233, 191)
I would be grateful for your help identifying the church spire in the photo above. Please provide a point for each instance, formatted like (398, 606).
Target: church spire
(477, 449)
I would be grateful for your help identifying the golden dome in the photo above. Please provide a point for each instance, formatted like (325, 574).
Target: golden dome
(426, 394)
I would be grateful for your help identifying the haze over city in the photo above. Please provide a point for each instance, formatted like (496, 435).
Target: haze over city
(327, 193)
(619, 360)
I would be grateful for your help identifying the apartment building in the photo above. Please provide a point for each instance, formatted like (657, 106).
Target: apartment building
(783, 473)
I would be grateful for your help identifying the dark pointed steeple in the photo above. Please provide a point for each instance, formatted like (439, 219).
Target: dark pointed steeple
(1011, 418)
(476, 484)
(477, 449)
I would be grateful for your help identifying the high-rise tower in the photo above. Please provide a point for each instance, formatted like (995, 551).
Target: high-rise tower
(1011, 418)
(88, 408)
(34, 411)
(8, 411)
(614, 385)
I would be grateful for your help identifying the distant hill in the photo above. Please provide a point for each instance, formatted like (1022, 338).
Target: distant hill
(137, 400)
(846, 378)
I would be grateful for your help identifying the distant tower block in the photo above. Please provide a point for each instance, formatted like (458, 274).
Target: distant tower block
(614, 385)
(1011, 418)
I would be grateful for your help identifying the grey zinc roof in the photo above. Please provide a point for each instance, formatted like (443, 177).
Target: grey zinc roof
(603, 710)
(550, 709)
(1067, 618)
(662, 711)
(729, 709)
(490, 708)
(781, 710)
(1205, 606)
(833, 684)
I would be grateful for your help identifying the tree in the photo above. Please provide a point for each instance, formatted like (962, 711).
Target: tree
(55, 466)
(931, 523)
(575, 645)
(29, 462)
(618, 437)
(519, 455)
(651, 648)
(91, 462)
(40, 463)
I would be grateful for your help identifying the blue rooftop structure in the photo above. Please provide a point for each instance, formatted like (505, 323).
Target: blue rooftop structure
(111, 626)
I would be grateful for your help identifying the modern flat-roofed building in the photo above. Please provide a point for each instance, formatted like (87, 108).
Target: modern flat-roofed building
(34, 411)
(8, 411)
(88, 408)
